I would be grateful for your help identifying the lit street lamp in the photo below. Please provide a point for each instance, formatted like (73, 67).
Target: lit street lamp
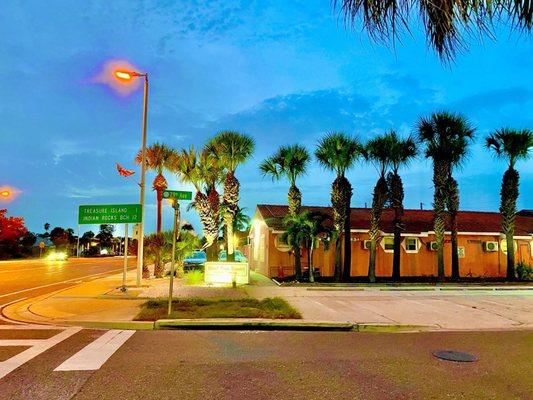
(125, 76)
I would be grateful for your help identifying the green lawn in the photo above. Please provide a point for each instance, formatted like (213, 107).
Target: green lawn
(196, 307)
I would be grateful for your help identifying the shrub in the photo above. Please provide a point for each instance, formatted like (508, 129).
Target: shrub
(194, 277)
(524, 272)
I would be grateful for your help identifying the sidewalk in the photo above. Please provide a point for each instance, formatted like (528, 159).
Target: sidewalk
(100, 303)
(446, 308)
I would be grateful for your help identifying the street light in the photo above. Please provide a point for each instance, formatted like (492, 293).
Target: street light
(127, 76)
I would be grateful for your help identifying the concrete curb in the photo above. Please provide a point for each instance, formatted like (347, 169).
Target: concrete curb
(277, 325)
(128, 325)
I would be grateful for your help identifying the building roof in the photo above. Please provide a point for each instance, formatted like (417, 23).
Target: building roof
(415, 221)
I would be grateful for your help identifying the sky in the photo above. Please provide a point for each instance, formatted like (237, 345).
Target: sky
(282, 72)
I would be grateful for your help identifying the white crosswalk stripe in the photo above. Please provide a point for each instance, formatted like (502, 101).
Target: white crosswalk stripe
(95, 354)
(38, 346)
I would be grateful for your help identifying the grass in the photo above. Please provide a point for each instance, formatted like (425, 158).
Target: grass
(197, 307)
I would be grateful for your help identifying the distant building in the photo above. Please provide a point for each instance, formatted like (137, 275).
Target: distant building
(482, 249)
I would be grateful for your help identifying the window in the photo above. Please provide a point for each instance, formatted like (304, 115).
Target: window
(388, 243)
(411, 244)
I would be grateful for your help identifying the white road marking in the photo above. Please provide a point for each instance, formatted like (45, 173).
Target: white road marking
(20, 342)
(16, 361)
(59, 283)
(95, 354)
(22, 326)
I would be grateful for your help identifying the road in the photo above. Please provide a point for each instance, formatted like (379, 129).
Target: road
(275, 365)
(30, 278)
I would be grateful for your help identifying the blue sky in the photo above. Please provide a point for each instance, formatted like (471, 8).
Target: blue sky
(283, 72)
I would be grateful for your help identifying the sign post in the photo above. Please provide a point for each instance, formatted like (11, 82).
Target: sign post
(125, 258)
(174, 196)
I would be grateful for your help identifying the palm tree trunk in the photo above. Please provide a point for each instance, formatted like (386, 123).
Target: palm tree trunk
(453, 208)
(311, 268)
(396, 195)
(294, 198)
(340, 195)
(439, 201)
(231, 200)
(209, 222)
(159, 193)
(338, 268)
(347, 269)
(230, 239)
(378, 202)
(509, 195)
(298, 263)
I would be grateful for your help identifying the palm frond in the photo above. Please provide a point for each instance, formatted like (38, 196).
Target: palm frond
(511, 144)
(445, 22)
(338, 152)
(231, 147)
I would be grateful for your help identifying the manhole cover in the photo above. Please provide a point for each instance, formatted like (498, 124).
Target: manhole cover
(451, 355)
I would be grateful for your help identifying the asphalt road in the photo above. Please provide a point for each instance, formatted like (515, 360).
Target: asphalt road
(283, 365)
(30, 278)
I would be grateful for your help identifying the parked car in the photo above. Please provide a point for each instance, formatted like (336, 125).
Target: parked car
(239, 257)
(195, 261)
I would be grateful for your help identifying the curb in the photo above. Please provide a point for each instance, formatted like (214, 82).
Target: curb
(280, 325)
(127, 325)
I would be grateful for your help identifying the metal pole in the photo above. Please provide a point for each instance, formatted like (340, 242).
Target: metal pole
(175, 236)
(125, 257)
(78, 245)
(140, 241)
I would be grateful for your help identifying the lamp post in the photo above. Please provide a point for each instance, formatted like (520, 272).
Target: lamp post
(126, 76)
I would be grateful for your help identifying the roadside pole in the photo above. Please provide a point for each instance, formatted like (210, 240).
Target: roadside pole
(78, 246)
(175, 236)
(125, 257)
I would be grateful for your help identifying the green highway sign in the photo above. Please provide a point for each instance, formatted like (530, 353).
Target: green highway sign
(110, 214)
(177, 195)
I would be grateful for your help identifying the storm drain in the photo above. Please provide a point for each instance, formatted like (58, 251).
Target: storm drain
(457, 356)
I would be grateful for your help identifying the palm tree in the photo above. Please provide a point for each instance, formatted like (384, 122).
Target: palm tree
(295, 235)
(402, 151)
(46, 227)
(289, 162)
(377, 152)
(201, 170)
(512, 145)
(157, 159)
(231, 149)
(187, 242)
(241, 222)
(154, 248)
(316, 230)
(443, 20)
(446, 137)
(338, 152)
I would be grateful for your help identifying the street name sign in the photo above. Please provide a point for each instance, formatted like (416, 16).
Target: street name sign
(177, 195)
(110, 214)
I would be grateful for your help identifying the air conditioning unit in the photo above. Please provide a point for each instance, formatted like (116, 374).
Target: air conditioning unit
(433, 246)
(490, 246)
(366, 244)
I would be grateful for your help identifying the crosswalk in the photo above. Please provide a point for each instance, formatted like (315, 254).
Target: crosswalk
(29, 338)
(95, 354)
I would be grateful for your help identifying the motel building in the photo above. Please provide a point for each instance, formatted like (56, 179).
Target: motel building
(482, 248)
